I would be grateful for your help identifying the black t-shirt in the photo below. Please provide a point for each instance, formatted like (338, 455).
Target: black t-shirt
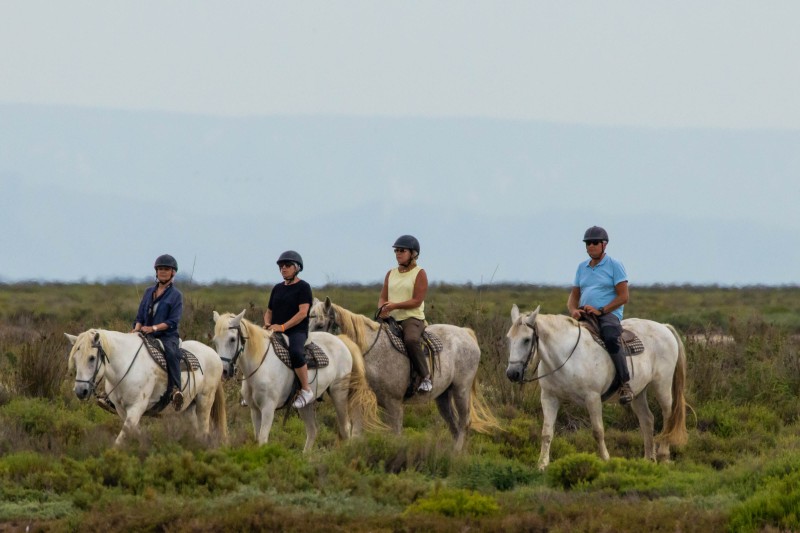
(285, 300)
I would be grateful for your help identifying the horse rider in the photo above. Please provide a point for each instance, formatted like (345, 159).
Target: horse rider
(601, 289)
(403, 298)
(159, 315)
(287, 313)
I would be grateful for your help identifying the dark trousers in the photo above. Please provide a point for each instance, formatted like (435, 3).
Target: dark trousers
(610, 331)
(173, 356)
(297, 348)
(412, 338)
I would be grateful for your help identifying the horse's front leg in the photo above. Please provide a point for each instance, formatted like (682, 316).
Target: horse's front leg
(131, 425)
(550, 405)
(307, 414)
(595, 407)
(265, 415)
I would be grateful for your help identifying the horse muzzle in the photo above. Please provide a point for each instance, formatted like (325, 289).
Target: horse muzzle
(515, 373)
(82, 391)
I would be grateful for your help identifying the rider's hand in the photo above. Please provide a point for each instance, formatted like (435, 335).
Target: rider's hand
(384, 310)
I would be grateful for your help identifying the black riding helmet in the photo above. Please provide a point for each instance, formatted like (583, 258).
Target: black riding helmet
(595, 233)
(293, 257)
(166, 260)
(407, 241)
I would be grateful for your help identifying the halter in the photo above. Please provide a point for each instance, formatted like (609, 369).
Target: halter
(535, 347)
(241, 340)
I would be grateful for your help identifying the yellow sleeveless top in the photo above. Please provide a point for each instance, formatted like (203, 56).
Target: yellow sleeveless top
(401, 288)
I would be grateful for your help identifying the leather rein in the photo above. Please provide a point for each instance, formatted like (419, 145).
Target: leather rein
(535, 348)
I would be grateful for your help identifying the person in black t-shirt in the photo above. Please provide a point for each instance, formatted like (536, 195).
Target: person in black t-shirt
(287, 313)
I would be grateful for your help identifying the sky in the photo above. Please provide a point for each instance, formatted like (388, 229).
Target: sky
(495, 132)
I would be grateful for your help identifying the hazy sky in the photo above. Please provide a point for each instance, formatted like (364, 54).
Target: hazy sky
(707, 78)
(655, 64)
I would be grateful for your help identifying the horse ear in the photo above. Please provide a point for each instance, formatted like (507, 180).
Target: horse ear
(328, 302)
(514, 313)
(531, 319)
(71, 338)
(216, 316)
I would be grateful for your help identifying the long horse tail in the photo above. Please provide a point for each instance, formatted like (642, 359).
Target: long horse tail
(219, 417)
(361, 401)
(674, 432)
(481, 418)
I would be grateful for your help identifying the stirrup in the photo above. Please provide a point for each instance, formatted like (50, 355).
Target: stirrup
(177, 400)
(107, 405)
(625, 394)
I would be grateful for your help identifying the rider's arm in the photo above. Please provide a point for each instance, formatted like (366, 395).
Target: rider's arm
(417, 295)
(621, 299)
(573, 301)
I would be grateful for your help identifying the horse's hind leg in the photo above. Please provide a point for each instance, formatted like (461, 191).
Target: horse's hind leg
(445, 405)
(646, 424)
(461, 399)
(664, 398)
(394, 412)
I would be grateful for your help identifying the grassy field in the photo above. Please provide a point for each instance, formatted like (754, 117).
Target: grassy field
(740, 470)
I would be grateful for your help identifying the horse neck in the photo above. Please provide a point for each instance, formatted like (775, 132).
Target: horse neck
(120, 348)
(557, 337)
(258, 342)
(358, 327)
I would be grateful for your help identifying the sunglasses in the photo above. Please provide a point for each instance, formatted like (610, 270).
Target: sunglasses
(400, 250)
(283, 264)
(593, 243)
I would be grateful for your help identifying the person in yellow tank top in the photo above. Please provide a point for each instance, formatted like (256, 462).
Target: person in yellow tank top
(403, 298)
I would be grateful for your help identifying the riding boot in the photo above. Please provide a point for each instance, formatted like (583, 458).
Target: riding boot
(621, 367)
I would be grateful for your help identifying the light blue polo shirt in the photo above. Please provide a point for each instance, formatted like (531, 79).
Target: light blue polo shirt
(597, 283)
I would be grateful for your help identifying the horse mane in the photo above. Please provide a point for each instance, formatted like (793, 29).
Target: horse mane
(354, 326)
(84, 341)
(257, 337)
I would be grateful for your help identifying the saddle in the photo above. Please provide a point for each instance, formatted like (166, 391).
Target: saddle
(630, 343)
(315, 357)
(189, 362)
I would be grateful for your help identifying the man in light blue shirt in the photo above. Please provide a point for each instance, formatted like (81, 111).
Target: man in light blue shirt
(600, 288)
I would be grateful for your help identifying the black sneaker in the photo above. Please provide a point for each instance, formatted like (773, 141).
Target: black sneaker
(625, 394)
(177, 400)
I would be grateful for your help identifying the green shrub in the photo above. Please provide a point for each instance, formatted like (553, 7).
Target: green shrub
(573, 470)
(776, 504)
(492, 474)
(457, 503)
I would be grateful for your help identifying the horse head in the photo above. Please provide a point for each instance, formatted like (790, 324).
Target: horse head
(88, 358)
(229, 340)
(322, 316)
(522, 341)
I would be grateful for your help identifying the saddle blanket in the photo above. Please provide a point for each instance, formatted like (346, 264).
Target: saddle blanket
(430, 341)
(156, 351)
(315, 357)
(629, 342)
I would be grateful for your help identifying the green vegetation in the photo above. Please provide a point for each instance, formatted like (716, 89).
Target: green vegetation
(740, 470)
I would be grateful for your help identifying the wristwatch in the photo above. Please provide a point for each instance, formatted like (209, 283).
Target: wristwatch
(602, 310)
(155, 328)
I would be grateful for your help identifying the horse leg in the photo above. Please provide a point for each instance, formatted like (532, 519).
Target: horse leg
(445, 405)
(131, 425)
(595, 408)
(307, 414)
(339, 395)
(550, 405)
(394, 412)
(265, 417)
(461, 399)
(664, 398)
(646, 423)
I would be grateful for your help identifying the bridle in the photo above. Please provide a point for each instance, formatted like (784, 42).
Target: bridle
(241, 340)
(102, 359)
(535, 347)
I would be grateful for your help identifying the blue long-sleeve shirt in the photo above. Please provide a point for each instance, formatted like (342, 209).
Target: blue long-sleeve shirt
(167, 309)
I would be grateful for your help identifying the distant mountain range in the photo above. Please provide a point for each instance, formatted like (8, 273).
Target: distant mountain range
(97, 194)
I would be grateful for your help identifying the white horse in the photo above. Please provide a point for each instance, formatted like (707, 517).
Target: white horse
(134, 382)
(455, 382)
(268, 383)
(573, 366)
